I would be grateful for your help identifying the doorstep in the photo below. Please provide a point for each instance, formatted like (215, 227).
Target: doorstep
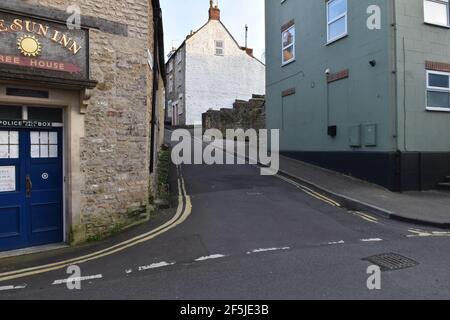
(31, 250)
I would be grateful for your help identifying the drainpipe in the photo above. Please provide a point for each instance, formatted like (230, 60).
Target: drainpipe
(394, 27)
(156, 17)
(398, 157)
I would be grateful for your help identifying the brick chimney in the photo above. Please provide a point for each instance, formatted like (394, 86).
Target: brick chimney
(214, 11)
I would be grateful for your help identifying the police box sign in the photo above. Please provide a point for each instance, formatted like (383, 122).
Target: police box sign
(25, 124)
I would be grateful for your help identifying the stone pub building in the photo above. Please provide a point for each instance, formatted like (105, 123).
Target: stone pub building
(81, 114)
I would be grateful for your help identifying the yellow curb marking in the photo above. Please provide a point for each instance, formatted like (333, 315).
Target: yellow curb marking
(365, 216)
(311, 192)
(180, 216)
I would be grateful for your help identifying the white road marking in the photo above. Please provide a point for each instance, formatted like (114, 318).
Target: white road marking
(337, 242)
(422, 233)
(62, 281)
(6, 288)
(372, 240)
(213, 256)
(128, 271)
(268, 249)
(156, 265)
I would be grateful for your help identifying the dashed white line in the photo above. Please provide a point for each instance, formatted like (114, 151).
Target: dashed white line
(372, 240)
(128, 271)
(6, 288)
(213, 256)
(422, 233)
(337, 242)
(268, 249)
(156, 265)
(62, 281)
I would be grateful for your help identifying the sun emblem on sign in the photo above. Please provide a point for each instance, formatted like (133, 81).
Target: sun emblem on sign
(29, 46)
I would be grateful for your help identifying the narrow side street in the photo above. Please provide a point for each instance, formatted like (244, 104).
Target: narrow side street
(255, 237)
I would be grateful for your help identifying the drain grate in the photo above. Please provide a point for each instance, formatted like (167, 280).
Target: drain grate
(391, 261)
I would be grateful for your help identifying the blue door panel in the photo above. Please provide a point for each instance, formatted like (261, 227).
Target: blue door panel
(35, 217)
(10, 222)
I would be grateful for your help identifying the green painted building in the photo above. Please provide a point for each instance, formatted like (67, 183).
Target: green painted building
(362, 87)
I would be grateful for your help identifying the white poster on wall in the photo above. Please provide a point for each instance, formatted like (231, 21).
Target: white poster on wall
(7, 178)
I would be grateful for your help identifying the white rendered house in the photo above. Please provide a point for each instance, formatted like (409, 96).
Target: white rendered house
(210, 71)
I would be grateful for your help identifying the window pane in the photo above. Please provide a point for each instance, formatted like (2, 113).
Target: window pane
(14, 137)
(438, 99)
(438, 80)
(337, 29)
(43, 137)
(34, 136)
(53, 151)
(45, 114)
(336, 8)
(288, 37)
(4, 152)
(35, 151)
(44, 151)
(4, 137)
(14, 151)
(288, 54)
(53, 138)
(10, 112)
(436, 12)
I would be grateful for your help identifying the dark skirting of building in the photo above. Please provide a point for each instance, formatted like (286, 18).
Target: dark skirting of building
(395, 171)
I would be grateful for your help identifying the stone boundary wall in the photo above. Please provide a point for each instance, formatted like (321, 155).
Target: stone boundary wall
(244, 115)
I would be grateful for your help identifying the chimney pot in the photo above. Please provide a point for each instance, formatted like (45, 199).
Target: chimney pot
(214, 11)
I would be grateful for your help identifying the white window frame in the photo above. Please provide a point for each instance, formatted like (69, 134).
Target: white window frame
(345, 14)
(283, 63)
(222, 47)
(448, 13)
(436, 89)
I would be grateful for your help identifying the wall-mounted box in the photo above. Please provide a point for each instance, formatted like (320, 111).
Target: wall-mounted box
(354, 136)
(370, 135)
(332, 131)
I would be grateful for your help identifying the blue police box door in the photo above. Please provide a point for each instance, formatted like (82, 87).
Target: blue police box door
(31, 187)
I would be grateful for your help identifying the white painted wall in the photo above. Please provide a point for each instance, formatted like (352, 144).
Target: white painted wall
(214, 82)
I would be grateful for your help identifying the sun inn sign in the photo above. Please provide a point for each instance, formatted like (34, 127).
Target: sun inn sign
(45, 48)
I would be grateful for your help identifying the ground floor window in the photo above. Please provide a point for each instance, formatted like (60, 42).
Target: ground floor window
(438, 91)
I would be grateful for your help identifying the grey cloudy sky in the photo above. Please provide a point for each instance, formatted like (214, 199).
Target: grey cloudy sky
(182, 16)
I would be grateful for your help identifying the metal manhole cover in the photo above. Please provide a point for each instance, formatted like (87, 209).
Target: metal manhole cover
(391, 261)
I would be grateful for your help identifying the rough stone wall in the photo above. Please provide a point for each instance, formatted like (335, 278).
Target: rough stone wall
(244, 115)
(115, 149)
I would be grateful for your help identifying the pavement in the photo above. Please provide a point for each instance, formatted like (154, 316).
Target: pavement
(255, 237)
(430, 208)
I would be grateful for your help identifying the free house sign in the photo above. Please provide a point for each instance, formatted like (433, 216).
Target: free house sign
(32, 46)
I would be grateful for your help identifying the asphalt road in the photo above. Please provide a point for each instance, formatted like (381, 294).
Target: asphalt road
(257, 237)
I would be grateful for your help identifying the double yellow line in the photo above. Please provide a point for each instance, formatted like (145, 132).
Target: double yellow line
(184, 209)
(311, 192)
(365, 216)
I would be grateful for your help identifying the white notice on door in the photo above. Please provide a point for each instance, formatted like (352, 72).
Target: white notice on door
(7, 179)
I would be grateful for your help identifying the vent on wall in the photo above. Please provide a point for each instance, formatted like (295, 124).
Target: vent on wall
(19, 92)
